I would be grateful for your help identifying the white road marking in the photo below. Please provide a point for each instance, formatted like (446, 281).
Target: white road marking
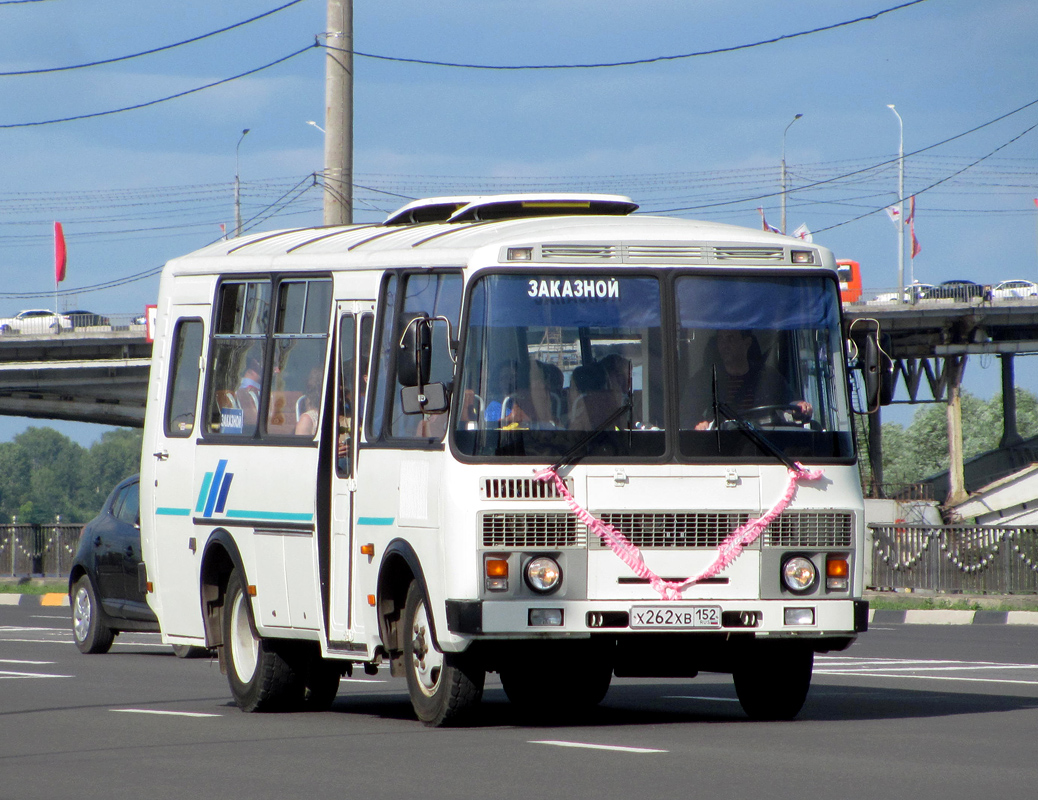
(163, 713)
(589, 746)
(4, 675)
(696, 697)
(919, 669)
(22, 661)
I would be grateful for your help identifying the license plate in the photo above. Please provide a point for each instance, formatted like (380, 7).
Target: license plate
(675, 618)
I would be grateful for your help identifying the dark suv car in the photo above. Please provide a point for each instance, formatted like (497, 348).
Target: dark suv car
(103, 587)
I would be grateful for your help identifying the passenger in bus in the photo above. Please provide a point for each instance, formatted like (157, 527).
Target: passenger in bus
(309, 404)
(618, 376)
(745, 380)
(546, 392)
(590, 400)
(511, 402)
(248, 391)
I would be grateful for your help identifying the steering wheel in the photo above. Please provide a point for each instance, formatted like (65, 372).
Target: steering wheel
(781, 414)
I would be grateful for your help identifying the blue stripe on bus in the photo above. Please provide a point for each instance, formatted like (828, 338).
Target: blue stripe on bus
(173, 512)
(210, 501)
(221, 500)
(375, 520)
(204, 492)
(282, 516)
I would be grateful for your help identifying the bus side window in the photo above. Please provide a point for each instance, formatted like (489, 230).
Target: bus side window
(182, 398)
(300, 347)
(236, 357)
(435, 295)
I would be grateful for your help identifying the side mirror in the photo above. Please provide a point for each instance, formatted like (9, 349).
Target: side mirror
(432, 398)
(878, 370)
(414, 353)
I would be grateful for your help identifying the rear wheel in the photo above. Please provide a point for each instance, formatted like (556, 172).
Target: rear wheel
(444, 687)
(261, 678)
(772, 680)
(190, 651)
(321, 684)
(88, 629)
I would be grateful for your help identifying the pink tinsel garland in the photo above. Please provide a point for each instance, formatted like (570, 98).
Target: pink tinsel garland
(727, 552)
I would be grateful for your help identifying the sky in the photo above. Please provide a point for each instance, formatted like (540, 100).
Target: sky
(700, 136)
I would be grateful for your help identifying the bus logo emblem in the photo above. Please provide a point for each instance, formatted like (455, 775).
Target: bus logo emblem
(213, 495)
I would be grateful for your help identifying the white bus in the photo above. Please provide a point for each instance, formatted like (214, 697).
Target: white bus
(531, 435)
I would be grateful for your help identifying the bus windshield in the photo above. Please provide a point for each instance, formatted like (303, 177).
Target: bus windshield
(552, 358)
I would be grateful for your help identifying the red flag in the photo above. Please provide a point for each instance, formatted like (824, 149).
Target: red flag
(764, 223)
(910, 222)
(60, 254)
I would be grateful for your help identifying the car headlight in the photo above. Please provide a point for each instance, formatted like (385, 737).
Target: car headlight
(543, 574)
(799, 574)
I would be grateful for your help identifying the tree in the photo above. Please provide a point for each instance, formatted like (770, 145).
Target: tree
(913, 454)
(44, 474)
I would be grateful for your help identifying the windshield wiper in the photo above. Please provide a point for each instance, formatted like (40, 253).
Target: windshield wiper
(748, 429)
(570, 457)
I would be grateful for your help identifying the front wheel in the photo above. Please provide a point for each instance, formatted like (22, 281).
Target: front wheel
(444, 687)
(261, 678)
(559, 679)
(88, 629)
(772, 680)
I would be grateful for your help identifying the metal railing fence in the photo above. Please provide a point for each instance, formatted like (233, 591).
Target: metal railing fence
(971, 559)
(38, 550)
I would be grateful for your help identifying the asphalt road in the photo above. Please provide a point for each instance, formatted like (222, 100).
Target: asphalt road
(910, 710)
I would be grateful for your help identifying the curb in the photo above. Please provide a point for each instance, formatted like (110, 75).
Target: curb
(54, 599)
(884, 616)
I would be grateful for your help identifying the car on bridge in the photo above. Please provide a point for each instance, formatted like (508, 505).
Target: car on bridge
(1011, 290)
(35, 320)
(87, 319)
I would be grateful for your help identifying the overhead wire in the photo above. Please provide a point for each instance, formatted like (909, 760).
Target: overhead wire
(138, 106)
(152, 51)
(637, 61)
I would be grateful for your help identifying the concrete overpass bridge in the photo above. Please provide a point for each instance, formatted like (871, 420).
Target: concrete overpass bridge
(96, 373)
(99, 373)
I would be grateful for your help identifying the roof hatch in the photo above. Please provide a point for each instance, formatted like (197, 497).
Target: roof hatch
(509, 206)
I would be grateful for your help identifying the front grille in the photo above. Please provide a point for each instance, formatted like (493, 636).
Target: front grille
(672, 529)
(526, 530)
(747, 254)
(520, 489)
(580, 252)
(687, 530)
(811, 529)
(665, 252)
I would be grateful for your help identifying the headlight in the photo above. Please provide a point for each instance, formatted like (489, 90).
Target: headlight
(799, 574)
(543, 574)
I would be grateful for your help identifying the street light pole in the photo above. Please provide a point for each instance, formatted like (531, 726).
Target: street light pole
(237, 186)
(900, 207)
(798, 116)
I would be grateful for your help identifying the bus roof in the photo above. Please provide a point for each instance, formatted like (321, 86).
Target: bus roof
(600, 239)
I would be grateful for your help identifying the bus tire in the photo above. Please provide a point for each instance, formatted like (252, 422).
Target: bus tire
(572, 679)
(444, 687)
(772, 680)
(321, 684)
(261, 678)
(88, 629)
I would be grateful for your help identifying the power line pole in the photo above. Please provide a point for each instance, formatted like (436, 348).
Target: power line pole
(338, 114)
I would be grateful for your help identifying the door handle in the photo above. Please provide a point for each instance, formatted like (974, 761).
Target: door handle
(97, 541)
(162, 455)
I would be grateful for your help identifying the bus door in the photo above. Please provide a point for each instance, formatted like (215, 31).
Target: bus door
(355, 322)
(177, 551)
